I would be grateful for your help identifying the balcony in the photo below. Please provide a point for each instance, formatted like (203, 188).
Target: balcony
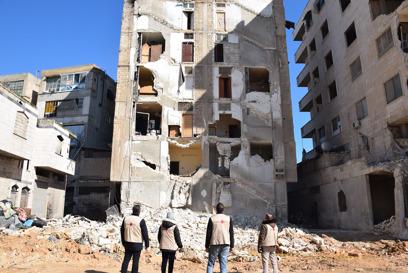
(301, 55)
(306, 103)
(308, 130)
(303, 78)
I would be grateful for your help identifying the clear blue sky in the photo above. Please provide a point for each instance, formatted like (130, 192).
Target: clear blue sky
(45, 34)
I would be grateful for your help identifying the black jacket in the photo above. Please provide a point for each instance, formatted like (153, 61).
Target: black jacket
(135, 246)
(209, 233)
(168, 224)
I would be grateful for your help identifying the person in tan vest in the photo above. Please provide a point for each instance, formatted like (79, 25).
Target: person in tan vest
(267, 243)
(219, 239)
(169, 239)
(133, 233)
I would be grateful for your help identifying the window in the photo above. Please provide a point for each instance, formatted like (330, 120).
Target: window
(318, 4)
(316, 75)
(379, 7)
(332, 90)
(319, 103)
(257, 79)
(308, 19)
(336, 126)
(188, 20)
(80, 102)
(344, 4)
(350, 34)
(393, 88)
(324, 29)
(34, 97)
(188, 5)
(355, 69)
(384, 43)
(79, 131)
(219, 53)
(220, 5)
(221, 38)
(361, 109)
(188, 52)
(312, 46)
(16, 86)
(224, 86)
(220, 21)
(24, 197)
(67, 82)
(13, 197)
(322, 134)
(329, 60)
(188, 36)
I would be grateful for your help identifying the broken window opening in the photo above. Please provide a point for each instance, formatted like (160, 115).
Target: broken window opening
(382, 196)
(312, 46)
(257, 79)
(13, 194)
(316, 74)
(24, 197)
(324, 29)
(188, 20)
(344, 4)
(341, 201)
(403, 36)
(42, 172)
(153, 45)
(146, 82)
(336, 126)
(319, 103)
(225, 86)
(329, 60)
(185, 161)
(308, 19)
(385, 43)
(379, 7)
(318, 4)
(148, 119)
(187, 52)
(356, 69)
(264, 150)
(150, 165)
(226, 127)
(350, 34)
(361, 109)
(393, 89)
(332, 90)
(220, 158)
(219, 53)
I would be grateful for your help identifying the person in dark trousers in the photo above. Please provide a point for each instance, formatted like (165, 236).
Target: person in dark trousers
(169, 239)
(267, 242)
(133, 233)
(219, 239)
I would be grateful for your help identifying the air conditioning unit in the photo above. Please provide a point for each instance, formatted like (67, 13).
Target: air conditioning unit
(356, 124)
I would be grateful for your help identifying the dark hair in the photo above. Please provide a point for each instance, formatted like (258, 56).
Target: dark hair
(220, 207)
(268, 217)
(136, 210)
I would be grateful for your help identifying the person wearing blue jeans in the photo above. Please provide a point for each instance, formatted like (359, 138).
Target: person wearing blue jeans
(219, 239)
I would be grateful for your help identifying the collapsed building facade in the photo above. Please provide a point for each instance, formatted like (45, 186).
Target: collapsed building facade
(355, 56)
(203, 109)
(34, 153)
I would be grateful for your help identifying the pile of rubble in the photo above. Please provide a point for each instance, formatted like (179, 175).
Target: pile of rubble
(105, 236)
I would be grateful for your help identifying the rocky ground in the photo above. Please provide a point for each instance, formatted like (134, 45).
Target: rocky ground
(76, 244)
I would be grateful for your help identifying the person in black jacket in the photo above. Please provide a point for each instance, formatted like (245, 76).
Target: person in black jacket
(133, 233)
(169, 239)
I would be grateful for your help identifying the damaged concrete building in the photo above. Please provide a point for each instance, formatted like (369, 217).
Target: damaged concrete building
(34, 154)
(203, 110)
(82, 98)
(355, 56)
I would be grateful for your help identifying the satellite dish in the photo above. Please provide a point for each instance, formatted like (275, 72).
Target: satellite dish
(326, 146)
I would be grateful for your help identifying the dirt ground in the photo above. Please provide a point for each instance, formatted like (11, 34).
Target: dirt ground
(30, 254)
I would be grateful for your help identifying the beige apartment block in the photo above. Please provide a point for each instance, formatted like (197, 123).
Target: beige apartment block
(82, 99)
(24, 84)
(203, 110)
(355, 72)
(34, 157)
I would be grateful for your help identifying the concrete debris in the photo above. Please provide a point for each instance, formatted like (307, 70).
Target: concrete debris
(105, 236)
(386, 225)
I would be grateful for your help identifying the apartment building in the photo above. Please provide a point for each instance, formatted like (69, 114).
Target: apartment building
(34, 155)
(25, 85)
(355, 72)
(203, 110)
(81, 98)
